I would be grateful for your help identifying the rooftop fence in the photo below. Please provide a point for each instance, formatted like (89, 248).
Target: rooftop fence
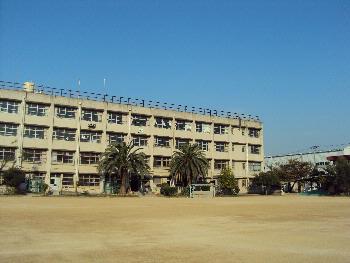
(70, 93)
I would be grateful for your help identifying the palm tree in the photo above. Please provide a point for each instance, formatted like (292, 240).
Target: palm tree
(188, 164)
(120, 161)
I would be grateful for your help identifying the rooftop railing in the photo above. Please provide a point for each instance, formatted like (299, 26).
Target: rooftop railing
(70, 93)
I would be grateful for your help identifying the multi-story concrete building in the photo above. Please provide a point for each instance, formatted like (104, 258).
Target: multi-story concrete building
(59, 134)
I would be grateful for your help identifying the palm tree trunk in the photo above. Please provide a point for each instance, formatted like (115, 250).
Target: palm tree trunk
(124, 182)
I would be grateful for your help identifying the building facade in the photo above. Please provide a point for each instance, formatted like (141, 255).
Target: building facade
(58, 135)
(319, 158)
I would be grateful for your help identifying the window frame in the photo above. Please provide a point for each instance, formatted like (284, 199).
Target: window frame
(91, 115)
(142, 141)
(36, 109)
(163, 123)
(33, 155)
(203, 145)
(93, 136)
(69, 112)
(8, 129)
(183, 125)
(160, 138)
(115, 117)
(139, 120)
(220, 164)
(203, 127)
(7, 153)
(179, 142)
(62, 157)
(120, 137)
(9, 106)
(90, 158)
(62, 134)
(221, 128)
(89, 180)
(221, 146)
(34, 132)
(161, 161)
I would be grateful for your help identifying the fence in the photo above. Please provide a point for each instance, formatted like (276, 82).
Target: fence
(71, 93)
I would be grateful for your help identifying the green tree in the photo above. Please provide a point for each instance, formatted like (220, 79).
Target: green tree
(188, 165)
(338, 177)
(14, 177)
(266, 181)
(227, 181)
(120, 161)
(294, 171)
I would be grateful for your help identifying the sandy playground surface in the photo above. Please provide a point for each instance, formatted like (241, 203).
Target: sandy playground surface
(151, 229)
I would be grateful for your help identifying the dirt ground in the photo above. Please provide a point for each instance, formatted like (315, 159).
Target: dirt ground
(155, 229)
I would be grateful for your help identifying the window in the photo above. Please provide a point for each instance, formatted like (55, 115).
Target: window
(161, 141)
(34, 155)
(233, 147)
(7, 153)
(91, 115)
(62, 157)
(36, 175)
(140, 140)
(221, 146)
(233, 165)
(243, 166)
(115, 117)
(139, 120)
(161, 161)
(67, 180)
(89, 180)
(204, 145)
(8, 129)
(163, 123)
(252, 132)
(183, 125)
(115, 138)
(243, 148)
(89, 157)
(220, 164)
(243, 131)
(65, 112)
(9, 106)
(203, 127)
(220, 129)
(254, 149)
(36, 109)
(254, 166)
(34, 132)
(90, 136)
(181, 142)
(64, 134)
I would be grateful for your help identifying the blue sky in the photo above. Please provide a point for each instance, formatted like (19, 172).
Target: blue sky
(286, 61)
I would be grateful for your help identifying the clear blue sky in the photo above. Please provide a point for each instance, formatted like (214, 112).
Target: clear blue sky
(286, 61)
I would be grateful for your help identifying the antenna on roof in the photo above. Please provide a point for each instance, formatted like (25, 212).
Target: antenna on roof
(104, 85)
(78, 88)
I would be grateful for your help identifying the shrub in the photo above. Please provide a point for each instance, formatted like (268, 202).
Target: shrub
(227, 182)
(168, 190)
(185, 191)
(14, 177)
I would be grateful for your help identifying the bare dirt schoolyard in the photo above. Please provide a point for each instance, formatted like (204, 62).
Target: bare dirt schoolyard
(243, 229)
